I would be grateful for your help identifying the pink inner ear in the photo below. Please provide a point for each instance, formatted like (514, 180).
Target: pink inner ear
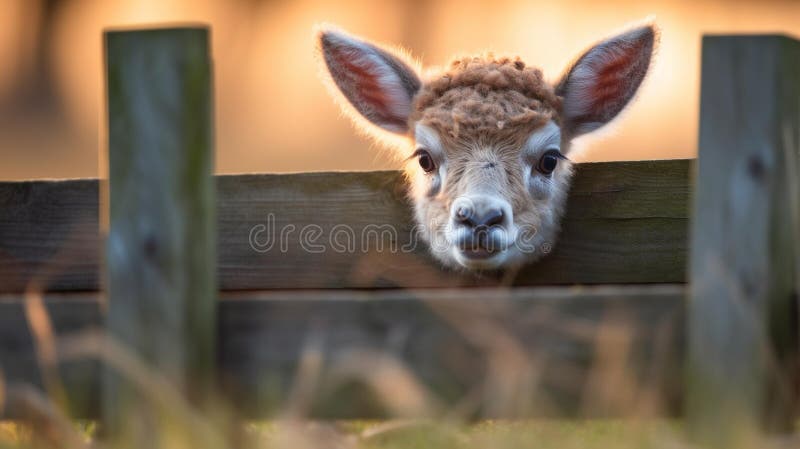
(371, 80)
(605, 79)
(363, 77)
(616, 75)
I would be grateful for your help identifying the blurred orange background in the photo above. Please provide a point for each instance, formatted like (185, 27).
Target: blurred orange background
(273, 114)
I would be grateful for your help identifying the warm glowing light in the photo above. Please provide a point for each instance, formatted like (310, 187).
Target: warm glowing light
(18, 25)
(78, 43)
(273, 113)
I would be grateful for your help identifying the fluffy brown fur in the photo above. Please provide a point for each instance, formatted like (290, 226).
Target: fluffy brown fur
(480, 96)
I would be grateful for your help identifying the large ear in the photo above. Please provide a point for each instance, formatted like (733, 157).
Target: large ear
(604, 79)
(379, 85)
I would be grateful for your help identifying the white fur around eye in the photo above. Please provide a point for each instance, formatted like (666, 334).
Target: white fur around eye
(543, 139)
(540, 186)
(427, 138)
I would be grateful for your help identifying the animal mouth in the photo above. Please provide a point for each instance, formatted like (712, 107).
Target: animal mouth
(479, 252)
(483, 248)
(480, 258)
(480, 246)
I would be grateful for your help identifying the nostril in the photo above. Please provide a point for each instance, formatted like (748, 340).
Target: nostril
(465, 216)
(493, 218)
(468, 217)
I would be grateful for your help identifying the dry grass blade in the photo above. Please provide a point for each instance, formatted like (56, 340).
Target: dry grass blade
(45, 344)
(394, 383)
(610, 382)
(188, 425)
(402, 425)
(512, 372)
(2, 393)
(51, 428)
(650, 405)
(309, 435)
(306, 379)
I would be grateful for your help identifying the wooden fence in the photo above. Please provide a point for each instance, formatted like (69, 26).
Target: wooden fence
(723, 284)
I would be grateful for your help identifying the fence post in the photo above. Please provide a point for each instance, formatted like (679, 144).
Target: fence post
(160, 250)
(743, 342)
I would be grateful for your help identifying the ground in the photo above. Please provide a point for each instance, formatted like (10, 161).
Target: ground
(538, 434)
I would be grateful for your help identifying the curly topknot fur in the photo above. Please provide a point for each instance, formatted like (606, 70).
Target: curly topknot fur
(479, 95)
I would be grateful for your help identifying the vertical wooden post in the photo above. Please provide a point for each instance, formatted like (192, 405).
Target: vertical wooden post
(161, 276)
(743, 341)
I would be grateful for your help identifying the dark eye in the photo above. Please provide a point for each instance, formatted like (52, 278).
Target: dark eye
(548, 162)
(425, 160)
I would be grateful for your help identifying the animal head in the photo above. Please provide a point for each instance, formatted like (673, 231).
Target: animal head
(487, 137)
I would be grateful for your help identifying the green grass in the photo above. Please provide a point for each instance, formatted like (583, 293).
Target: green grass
(530, 434)
(540, 434)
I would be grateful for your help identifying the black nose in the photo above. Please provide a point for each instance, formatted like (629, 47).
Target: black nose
(469, 217)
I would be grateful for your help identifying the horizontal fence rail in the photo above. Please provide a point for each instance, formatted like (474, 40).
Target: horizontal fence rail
(543, 351)
(626, 222)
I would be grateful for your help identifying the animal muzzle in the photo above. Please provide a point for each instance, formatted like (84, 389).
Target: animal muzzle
(481, 223)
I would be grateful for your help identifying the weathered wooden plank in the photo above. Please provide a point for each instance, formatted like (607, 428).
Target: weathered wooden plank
(49, 231)
(744, 257)
(486, 352)
(160, 259)
(626, 223)
(542, 351)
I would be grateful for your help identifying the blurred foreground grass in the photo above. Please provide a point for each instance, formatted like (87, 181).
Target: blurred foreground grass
(559, 434)
(425, 434)
(536, 434)
(165, 419)
(544, 434)
(419, 434)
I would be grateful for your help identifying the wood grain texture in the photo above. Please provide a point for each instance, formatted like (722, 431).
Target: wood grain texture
(160, 259)
(49, 233)
(626, 222)
(745, 232)
(542, 351)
